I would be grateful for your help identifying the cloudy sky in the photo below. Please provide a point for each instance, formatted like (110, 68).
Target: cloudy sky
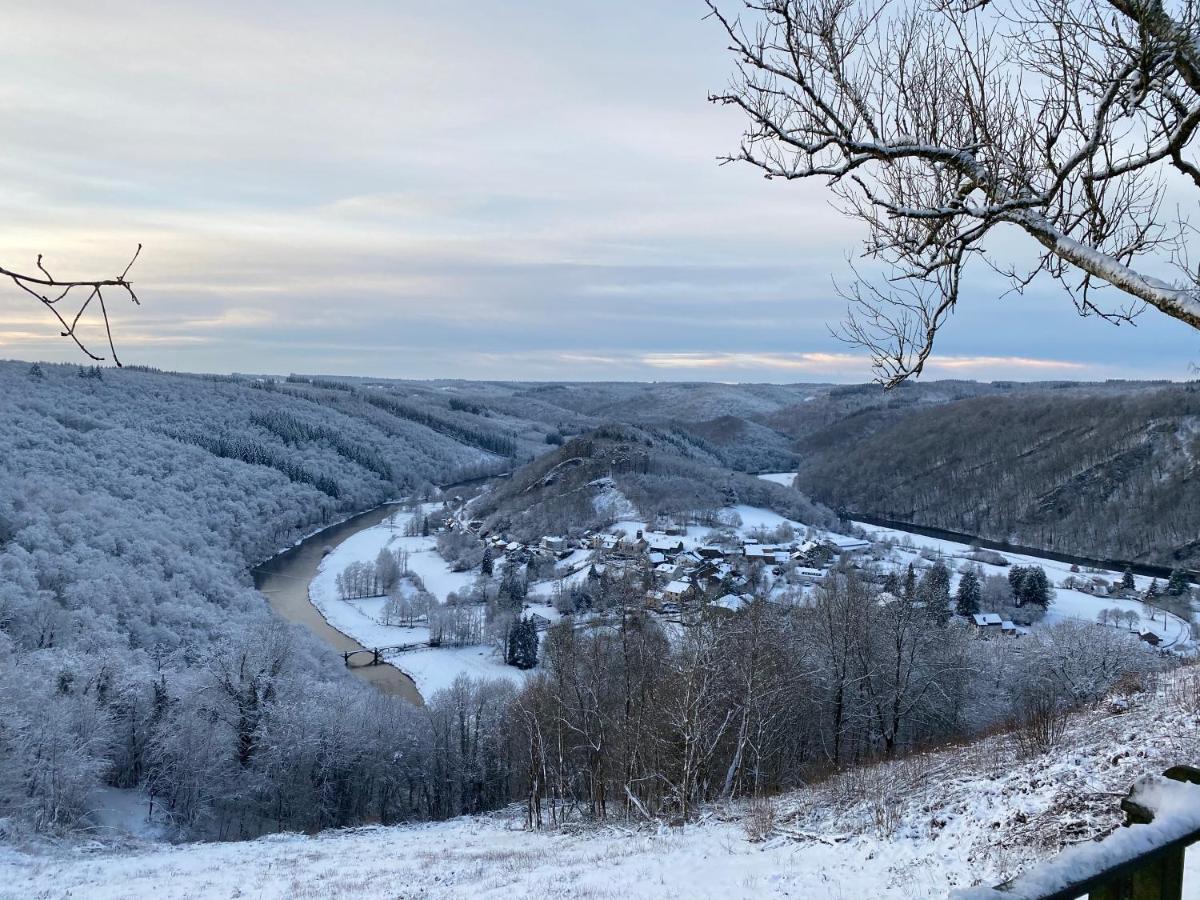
(525, 189)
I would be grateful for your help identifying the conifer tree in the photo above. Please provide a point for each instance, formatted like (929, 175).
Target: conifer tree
(1178, 582)
(891, 584)
(522, 650)
(486, 567)
(935, 585)
(1037, 587)
(969, 594)
(1127, 580)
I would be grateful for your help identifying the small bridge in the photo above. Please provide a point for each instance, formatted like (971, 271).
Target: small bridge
(375, 654)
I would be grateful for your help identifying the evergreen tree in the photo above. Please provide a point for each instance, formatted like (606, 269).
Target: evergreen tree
(970, 593)
(1178, 583)
(513, 588)
(522, 649)
(1127, 580)
(36, 373)
(530, 654)
(1030, 586)
(1016, 581)
(891, 583)
(512, 642)
(934, 588)
(1154, 590)
(910, 583)
(487, 567)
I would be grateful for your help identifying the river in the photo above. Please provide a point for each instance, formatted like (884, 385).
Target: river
(284, 579)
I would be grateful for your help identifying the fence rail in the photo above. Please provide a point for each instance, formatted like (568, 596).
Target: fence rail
(1141, 861)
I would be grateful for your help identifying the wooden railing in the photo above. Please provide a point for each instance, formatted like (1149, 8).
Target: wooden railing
(1142, 861)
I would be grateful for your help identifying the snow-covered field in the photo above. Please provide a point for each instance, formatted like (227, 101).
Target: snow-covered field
(1068, 603)
(432, 669)
(784, 478)
(914, 828)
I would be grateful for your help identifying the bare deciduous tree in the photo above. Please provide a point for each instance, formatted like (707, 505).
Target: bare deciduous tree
(58, 294)
(937, 122)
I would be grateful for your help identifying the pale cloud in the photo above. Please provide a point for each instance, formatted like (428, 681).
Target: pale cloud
(527, 190)
(1018, 363)
(784, 362)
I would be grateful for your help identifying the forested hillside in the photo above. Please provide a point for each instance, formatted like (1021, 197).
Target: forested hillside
(134, 652)
(652, 472)
(132, 648)
(1107, 471)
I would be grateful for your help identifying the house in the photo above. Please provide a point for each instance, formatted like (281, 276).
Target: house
(848, 544)
(733, 602)
(667, 548)
(666, 571)
(988, 621)
(540, 623)
(677, 591)
(754, 551)
(554, 544)
(710, 552)
(1150, 638)
(807, 575)
(656, 559)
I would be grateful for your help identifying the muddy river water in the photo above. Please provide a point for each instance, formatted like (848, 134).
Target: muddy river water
(284, 580)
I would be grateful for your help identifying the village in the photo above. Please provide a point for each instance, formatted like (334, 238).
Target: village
(683, 573)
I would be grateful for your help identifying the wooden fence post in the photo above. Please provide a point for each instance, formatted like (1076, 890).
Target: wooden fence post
(1160, 877)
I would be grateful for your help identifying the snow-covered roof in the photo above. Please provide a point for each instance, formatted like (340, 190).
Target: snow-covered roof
(677, 587)
(731, 601)
(982, 619)
(842, 542)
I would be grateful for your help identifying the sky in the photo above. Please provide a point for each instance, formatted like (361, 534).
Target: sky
(516, 190)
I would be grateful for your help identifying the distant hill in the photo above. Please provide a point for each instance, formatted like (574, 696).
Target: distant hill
(657, 472)
(1103, 471)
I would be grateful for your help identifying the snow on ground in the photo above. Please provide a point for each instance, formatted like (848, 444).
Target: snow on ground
(1068, 603)
(122, 812)
(913, 828)
(430, 668)
(610, 501)
(784, 478)
(435, 668)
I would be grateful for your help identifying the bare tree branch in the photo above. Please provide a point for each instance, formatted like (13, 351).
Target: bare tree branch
(940, 123)
(51, 291)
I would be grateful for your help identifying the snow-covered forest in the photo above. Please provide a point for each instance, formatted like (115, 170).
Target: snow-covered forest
(134, 651)
(140, 663)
